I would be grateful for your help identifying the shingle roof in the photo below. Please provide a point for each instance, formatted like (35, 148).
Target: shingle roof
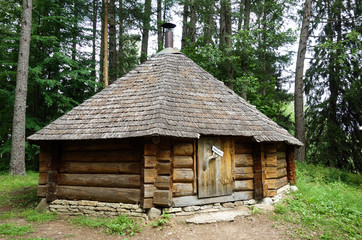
(168, 95)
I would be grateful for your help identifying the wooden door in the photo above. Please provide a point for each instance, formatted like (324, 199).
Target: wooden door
(214, 170)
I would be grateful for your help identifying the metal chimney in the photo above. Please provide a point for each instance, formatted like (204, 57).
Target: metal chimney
(168, 34)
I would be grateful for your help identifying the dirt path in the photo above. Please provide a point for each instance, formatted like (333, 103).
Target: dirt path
(253, 227)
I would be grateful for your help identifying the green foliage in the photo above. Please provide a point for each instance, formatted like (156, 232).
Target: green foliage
(256, 59)
(162, 220)
(333, 87)
(11, 229)
(121, 225)
(327, 205)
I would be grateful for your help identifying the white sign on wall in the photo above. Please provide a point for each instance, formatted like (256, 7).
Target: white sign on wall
(217, 151)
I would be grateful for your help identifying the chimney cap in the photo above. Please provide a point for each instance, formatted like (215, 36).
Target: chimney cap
(168, 25)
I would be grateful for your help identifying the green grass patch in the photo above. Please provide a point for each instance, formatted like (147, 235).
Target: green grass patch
(32, 215)
(121, 225)
(10, 229)
(18, 191)
(328, 204)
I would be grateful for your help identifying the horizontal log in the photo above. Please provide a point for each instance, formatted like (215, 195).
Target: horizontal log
(243, 160)
(271, 172)
(163, 155)
(243, 170)
(162, 198)
(147, 203)
(282, 163)
(100, 180)
(163, 168)
(150, 161)
(194, 200)
(150, 149)
(281, 172)
(281, 155)
(43, 178)
(276, 183)
(271, 160)
(183, 161)
(245, 185)
(183, 175)
(183, 149)
(270, 148)
(182, 189)
(163, 182)
(282, 182)
(43, 167)
(123, 195)
(103, 145)
(271, 193)
(52, 176)
(41, 192)
(44, 156)
(244, 148)
(101, 167)
(148, 190)
(149, 175)
(272, 183)
(242, 176)
(102, 156)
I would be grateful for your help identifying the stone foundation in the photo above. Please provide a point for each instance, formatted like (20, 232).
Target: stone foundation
(95, 208)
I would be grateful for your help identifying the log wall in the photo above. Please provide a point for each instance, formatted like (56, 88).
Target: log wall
(184, 168)
(276, 168)
(107, 171)
(244, 167)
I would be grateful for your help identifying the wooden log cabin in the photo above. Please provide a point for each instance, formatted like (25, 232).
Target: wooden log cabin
(166, 134)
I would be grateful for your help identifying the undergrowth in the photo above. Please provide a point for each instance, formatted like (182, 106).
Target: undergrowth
(122, 225)
(328, 204)
(162, 220)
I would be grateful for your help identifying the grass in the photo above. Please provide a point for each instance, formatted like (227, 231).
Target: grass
(18, 191)
(121, 225)
(328, 204)
(11, 229)
(18, 200)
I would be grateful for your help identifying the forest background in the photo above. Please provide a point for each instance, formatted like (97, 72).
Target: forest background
(244, 43)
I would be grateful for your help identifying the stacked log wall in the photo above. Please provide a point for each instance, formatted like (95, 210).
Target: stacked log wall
(276, 168)
(108, 171)
(244, 167)
(184, 168)
(157, 172)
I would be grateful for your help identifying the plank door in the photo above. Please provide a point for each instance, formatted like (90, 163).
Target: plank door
(214, 173)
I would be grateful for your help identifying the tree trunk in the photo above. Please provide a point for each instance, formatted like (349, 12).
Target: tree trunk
(120, 41)
(247, 15)
(94, 36)
(184, 25)
(298, 90)
(17, 160)
(225, 38)
(209, 25)
(112, 42)
(105, 60)
(159, 23)
(101, 57)
(244, 62)
(145, 30)
(192, 29)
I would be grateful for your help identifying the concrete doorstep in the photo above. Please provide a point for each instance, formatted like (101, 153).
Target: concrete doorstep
(220, 216)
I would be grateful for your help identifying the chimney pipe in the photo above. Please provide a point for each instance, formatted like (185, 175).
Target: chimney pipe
(168, 34)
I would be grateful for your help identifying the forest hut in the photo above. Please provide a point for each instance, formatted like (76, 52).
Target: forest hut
(166, 134)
